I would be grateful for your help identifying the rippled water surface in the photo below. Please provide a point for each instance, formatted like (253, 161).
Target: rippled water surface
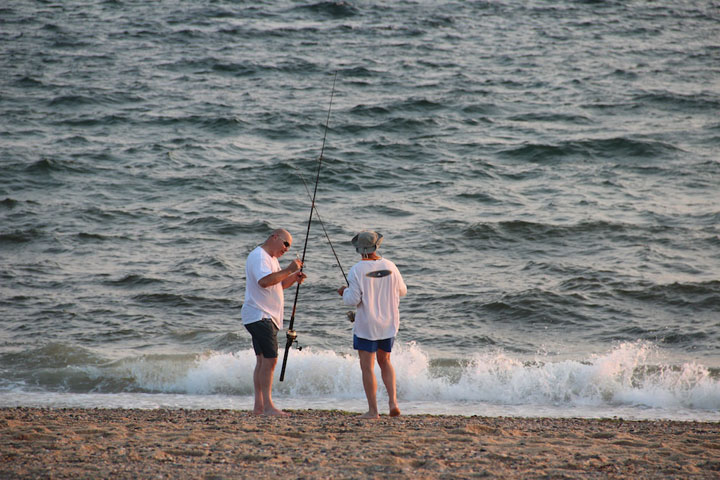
(545, 175)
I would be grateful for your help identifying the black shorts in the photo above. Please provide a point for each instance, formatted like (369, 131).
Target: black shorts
(264, 337)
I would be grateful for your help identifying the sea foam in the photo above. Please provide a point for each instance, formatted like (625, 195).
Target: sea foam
(631, 374)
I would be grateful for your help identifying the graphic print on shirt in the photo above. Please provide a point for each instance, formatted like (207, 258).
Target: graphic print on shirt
(378, 273)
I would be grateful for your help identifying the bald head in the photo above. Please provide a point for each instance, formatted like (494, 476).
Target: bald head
(278, 242)
(281, 232)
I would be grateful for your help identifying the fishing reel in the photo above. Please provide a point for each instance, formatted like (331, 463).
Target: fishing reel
(291, 338)
(351, 316)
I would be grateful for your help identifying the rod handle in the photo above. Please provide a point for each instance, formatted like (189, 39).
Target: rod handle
(291, 337)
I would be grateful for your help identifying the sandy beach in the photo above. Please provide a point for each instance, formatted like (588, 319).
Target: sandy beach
(217, 444)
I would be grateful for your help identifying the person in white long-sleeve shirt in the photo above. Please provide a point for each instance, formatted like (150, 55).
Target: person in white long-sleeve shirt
(375, 287)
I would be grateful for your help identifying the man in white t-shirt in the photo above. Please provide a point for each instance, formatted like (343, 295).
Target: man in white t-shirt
(375, 287)
(262, 311)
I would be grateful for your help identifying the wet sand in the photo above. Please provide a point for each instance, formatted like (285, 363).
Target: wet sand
(219, 444)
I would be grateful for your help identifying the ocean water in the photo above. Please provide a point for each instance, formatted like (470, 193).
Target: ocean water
(545, 175)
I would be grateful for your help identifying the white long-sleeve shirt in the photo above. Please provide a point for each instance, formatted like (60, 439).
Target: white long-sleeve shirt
(375, 288)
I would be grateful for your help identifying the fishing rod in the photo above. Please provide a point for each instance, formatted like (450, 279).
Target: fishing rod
(350, 314)
(291, 333)
(317, 215)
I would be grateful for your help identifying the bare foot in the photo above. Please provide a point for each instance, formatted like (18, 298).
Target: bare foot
(257, 412)
(370, 416)
(395, 412)
(275, 412)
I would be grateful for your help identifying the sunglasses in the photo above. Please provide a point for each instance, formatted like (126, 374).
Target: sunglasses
(285, 242)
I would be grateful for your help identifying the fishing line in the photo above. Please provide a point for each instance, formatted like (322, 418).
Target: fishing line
(317, 214)
(350, 314)
(291, 334)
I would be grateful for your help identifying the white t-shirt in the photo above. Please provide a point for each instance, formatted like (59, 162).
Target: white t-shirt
(262, 302)
(375, 287)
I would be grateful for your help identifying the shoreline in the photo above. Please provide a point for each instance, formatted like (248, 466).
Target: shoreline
(185, 444)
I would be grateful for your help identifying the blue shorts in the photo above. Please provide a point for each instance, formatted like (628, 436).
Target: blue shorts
(373, 345)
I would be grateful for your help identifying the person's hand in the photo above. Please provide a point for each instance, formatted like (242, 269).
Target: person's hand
(341, 290)
(301, 277)
(294, 266)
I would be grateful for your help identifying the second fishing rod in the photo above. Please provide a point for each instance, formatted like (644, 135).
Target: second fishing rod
(350, 314)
